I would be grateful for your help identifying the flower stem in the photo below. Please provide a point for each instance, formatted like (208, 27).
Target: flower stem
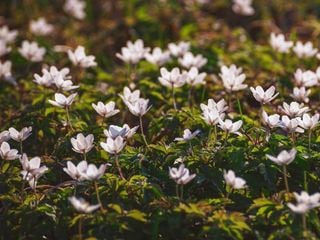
(68, 119)
(304, 222)
(239, 107)
(85, 156)
(285, 178)
(21, 147)
(118, 167)
(80, 228)
(190, 96)
(98, 195)
(173, 98)
(177, 191)
(181, 196)
(309, 138)
(142, 132)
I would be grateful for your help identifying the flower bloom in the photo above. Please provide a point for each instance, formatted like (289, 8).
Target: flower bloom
(4, 136)
(181, 175)
(82, 206)
(133, 52)
(130, 96)
(76, 8)
(233, 181)
(304, 50)
(194, 77)
(290, 125)
(31, 51)
(106, 110)
(187, 135)
(305, 78)
(6, 35)
(179, 49)
(20, 136)
(41, 27)
(158, 57)
(139, 108)
(113, 146)
(62, 101)
(308, 122)
(79, 58)
(243, 7)
(279, 43)
(92, 173)
(305, 202)
(5, 69)
(82, 144)
(6, 153)
(4, 49)
(232, 78)
(125, 131)
(213, 111)
(294, 109)
(301, 94)
(230, 127)
(264, 96)
(173, 78)
(284, 157)
(270, 121)
(53, 76)
(189, 60)
(76, 172)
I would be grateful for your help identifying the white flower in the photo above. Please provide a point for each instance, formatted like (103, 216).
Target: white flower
(64, 85)
(82, 206)
(20, 136)
(233, 78)
(5, 69)
(82, 144)
(194, 77)
(4, 49)
(31, 170)
(32, 51)
(189, 60)
(187, 135)
(243, 7)
(125, 131)
(179, 49)
(308, 122)
(233, 181)
(290, 125)
(212, 117)
(305, 78)
(181, 175)
(294, 109)
(220, 106)
(230, 127)
(76, 8)
(270, 121)
(129, 96)
(158, 57)
(6, 153)
(305, 202)
(173, 79)
(279, 43)
(133, 52)
(6, 35)
(79, 58)
(113, 146)
(41, 27)
(62, 101)
(4, 136)
(139, 107)
(92, 173)
(305, 50)
(301, 94)
(76, 172)
(105, 110)
(53, 76)
(264, 96)
(284, 157)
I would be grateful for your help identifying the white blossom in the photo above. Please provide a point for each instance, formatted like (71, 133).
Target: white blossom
(133, 52)
(41, 27)
(82, 144)
(301, 94)
(125, 131)
(75, 8)
(284, 157)
(305, 78)
(31, 51)
(179, 49)
(187, 135)
(230, 127)
(233, 181)
(305, 50)
(194, 77)
(62, 101)
(279, 43)
(308, 122)
(21, 135)
(290, 125)
(6, 153)
(82, 206)
(189, 60)
(6, 35)
(173, 78)
(181, 175)
(294, 109)
(105, 110)
(233, 78)
(76, 172)
(243, 7)
(113, 146)
(158, 57)
(270, 121)
(139, 107)
(5, 69)
(79, 58)
(264, 96)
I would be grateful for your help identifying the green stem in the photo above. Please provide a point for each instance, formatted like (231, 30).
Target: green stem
(118, 167)
(21, 147)
(173, 98)
(142, 132)
(85, 156)
(285, 178)
(304, 222)
(309, 138)
(68, 120)
(239, 107)
(177, 191)
(98, 195)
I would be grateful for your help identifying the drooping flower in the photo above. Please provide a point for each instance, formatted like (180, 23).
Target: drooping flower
(125, 131)
(187, 135)
(230, 127)
(232, 78)
(82, 206)
(41, 27)
(189, 60)
(75, 8)
(173, 78)
(305, 50)
(106, 110)
(133, 52)
(20, 136)
(82, 144)
(31, 51)
(181, 175)
(113, 146)
(279, 43)
(158, 57)
(233, 181)
(179, 49)
(79, 58)
(62, 101)
(6, 153)
(264, 96)
(76, 172)
(243, 7)
(284, 157)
